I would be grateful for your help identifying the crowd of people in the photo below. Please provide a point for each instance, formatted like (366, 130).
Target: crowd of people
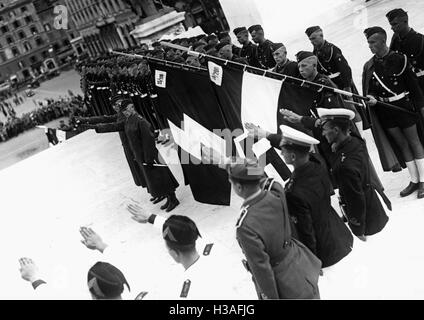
(288, 235)
(53, 109)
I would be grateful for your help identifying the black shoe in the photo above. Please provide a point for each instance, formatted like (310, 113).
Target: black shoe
(409, 189)
(166, 204)
(172, 205)
(159, 199)
(421, 190)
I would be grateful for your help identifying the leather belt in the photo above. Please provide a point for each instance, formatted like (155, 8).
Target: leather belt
(420, 73)
(394, 98)
(334, 75)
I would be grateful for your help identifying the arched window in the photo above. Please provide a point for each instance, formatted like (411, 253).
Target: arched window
(27, 46)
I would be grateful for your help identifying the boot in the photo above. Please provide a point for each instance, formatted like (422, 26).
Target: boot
(409, 189)
(159, 199)
(163, 207)
(421, 190)
(173, 202)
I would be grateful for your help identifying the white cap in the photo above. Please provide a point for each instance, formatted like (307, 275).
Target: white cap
(295, 137)
(339, 113)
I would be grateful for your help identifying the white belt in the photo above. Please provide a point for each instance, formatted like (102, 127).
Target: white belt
(395, 98)
(420, 74)
(334, 75)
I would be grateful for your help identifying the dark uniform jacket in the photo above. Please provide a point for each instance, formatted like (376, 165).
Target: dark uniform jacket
(159, 178)
(350, 168)
(112, 124)
(265, 57)
(289, 68)
(282, 267)
(412, 45)
(250, 52)
(396, 74)
(318, 225)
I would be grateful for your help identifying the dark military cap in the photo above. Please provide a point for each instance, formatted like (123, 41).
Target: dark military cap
(311, 30)
(105, 281)
(373, 30)
(180, 230)
(222, 35)
(245, 170)
(393, 14)
(220, 45)
(277, 46)
(236, 31)
(114, 99)
(198, 44)
(255, 27)
(211, 37)
(302, 55)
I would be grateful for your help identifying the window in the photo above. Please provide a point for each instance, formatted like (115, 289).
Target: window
(66, 43)
(24, 9)
(3, 56)
(47, 27)
(27, 46)
(1, 19)
(4, 29)
(15, 51)
(21, 35)
(39, 41)
(21, 64)
(33, 59)
(9, 39)
(26, 73)
(33, 30)
(45, 54)
(72, 35)
(56, 47)
(16, 24)
(28, 19)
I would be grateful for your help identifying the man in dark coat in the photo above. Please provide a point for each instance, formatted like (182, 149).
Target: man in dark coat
(248, 50)
(104, 124)
(350, 168)
(309, 200)
(389, 78)
(225, 38)
(265, 47)
(407, 41)
(281, 267)
(333, 64)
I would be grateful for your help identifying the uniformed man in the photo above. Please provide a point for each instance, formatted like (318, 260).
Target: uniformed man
(225, 38)
(212, 39)
(265, 47)
(334, 65)
(225, 52)
(281, 267)
(351, 170)
(181, 237)
(284, 65)
(309, 199)
(388, 77)
(248, 50)
(407, 41)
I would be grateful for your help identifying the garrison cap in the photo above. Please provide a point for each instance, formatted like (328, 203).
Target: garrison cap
(277, 46)
(295, 137)
(373, 30)
(198, 44)
(302, 55)
(114, 99)
(245, 170)
(106, 281)
(335, 114)
(393, 14)
(236, 31)
(220, 45)
(313, 29)
(255, 27)
(211, 37)
(180, 230)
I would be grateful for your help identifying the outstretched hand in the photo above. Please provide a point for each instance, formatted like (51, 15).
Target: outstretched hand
(291, 116)
(255, 131)
(138, 213)
(28, 269)
(92, 240)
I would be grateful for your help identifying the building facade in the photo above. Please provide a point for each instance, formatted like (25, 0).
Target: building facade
(29, 43)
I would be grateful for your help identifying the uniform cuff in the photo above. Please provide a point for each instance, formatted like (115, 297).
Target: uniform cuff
(36, 283)
(152, 219)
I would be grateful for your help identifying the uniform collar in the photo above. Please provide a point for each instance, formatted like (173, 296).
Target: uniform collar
(252, 197)
(302, 170)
